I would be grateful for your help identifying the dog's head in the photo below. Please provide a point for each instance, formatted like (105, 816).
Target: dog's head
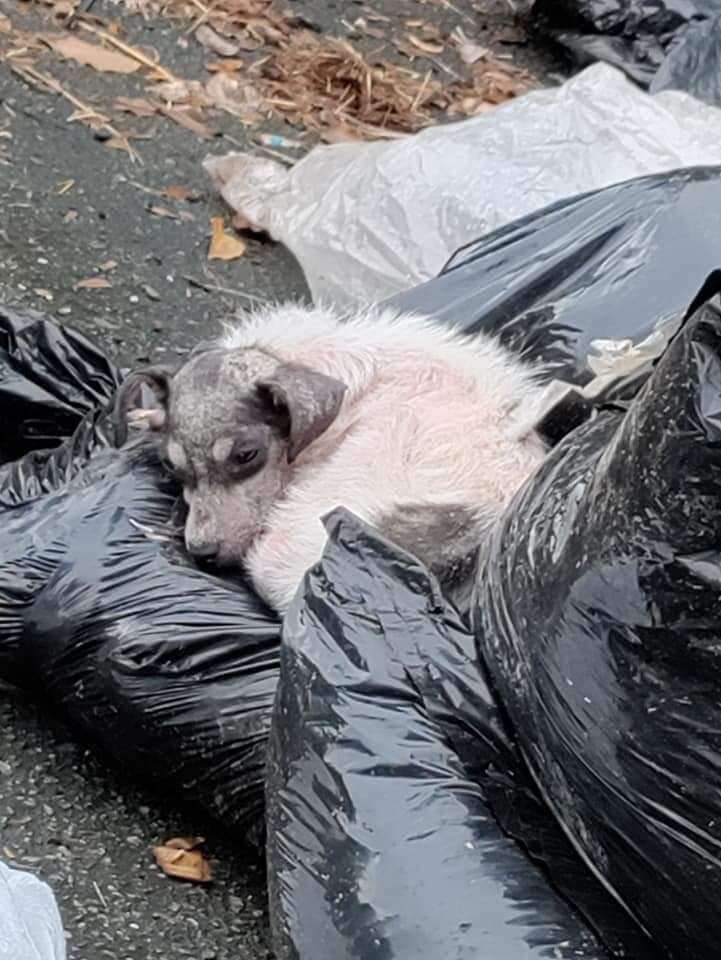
(230, 424)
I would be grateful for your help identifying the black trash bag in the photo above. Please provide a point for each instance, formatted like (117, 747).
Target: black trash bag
(621, 263)
(172, 672)
(381, 841)
(100, 610)
(597, 612)
(50, 378)
(661, 44)
(169, 670)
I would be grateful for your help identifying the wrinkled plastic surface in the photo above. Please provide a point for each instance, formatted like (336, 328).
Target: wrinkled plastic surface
(30, 925)
(70, 378)
(594, 286)
(368, 220)
(597, 613)
(172, 672)
(662, 44)
(381, 842)
(169, 670)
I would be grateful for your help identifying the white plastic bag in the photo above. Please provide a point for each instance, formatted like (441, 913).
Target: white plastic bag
(30, 925)
(367, 220)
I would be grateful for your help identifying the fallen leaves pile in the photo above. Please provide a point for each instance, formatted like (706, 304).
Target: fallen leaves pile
(264, 63)
(327, 85)
(387, 77)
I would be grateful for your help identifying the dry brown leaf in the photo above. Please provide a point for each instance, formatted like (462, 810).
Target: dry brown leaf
(225, 66)
(406, 48)
(64, 186)
(185, 843)
(214, 42)
(71, 216)
(5, 24)
(184, 864)
(93, 283)
(92, 55)
(45, 294)
(426, 46)
(64, 8)
(223, 246)
(135, 105)
(108, 266)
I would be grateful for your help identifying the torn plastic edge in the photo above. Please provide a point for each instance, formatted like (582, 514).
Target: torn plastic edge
(565, 406)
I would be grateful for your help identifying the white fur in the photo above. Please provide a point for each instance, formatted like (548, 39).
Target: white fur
(430, 416)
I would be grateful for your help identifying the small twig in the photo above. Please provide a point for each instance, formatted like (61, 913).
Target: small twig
(128, 51)
(276, 154)
(214, 288)
(421, 91)
(101, 898)
(204, 14)
(83, 8)
(444, 66)
(139, 186)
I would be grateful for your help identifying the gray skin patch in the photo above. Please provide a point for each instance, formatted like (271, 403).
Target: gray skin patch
(230, 424)
(232, 443)
(445, 539)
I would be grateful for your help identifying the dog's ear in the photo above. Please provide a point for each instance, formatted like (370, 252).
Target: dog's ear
(141, 401)
(310, 399)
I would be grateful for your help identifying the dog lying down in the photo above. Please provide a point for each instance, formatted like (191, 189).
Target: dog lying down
(423, 433)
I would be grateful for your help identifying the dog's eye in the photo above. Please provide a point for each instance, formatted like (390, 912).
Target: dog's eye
(240, 457)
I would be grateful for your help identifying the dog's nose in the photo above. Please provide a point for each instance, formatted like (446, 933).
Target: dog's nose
(203, 551)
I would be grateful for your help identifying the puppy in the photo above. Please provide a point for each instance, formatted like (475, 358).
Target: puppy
(420, 431)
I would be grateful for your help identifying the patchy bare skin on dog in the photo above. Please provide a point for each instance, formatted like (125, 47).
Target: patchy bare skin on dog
(444, 538)
(419, 431)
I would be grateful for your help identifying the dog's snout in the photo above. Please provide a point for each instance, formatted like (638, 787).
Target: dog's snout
(203, 551)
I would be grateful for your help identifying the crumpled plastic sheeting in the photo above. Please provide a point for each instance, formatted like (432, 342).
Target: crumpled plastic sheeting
(367, 220)
(662, 44)
(597, 613)
(30, 924)
(381, 841)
